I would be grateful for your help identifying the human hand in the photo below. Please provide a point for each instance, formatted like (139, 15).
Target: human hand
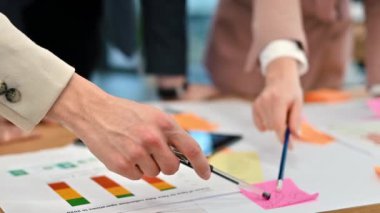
(280, 102)
(131, 139)
(9, 132)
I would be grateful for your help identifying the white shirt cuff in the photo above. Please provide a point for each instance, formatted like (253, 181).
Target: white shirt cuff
(374, 90)
(283, 48)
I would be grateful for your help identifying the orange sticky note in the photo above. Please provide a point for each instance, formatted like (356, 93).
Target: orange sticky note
(326, 96)
(310, 134)
(190, 121)
(377, 170)
(374, 137)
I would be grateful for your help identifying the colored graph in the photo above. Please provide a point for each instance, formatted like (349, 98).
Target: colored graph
(68, 194)
(18, 172)
(158, 183)
(112, 187)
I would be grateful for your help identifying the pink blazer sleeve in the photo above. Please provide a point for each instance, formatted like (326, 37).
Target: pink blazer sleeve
(372, 46)
(274, 19)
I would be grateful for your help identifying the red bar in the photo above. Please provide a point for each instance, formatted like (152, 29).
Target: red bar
(152, 179)
(59, 185)
(105, 181)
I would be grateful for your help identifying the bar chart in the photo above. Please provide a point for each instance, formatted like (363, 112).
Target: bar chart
(72, 180)
(112, 187)
(68, 194)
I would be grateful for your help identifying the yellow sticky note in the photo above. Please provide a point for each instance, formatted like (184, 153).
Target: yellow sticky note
(377, 170)
(190, 121)
(310, 134)
(243, 165)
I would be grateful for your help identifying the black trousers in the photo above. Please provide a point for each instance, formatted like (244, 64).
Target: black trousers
(68, 28)
(164, 37)
(71, 29)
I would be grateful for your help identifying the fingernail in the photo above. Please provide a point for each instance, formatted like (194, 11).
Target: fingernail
(207, 174)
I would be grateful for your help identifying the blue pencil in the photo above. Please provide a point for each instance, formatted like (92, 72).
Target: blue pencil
(283, 159)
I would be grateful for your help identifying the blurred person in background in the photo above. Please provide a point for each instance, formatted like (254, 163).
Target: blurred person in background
(165, 50)
(273, 51)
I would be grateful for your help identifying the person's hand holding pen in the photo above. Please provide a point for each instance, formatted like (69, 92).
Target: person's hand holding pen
(131, 139)
(281, 100)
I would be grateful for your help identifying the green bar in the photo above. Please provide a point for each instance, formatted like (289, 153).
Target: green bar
(124, 195)
(78, 201)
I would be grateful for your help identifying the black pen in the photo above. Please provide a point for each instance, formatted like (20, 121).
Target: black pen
(242, 184)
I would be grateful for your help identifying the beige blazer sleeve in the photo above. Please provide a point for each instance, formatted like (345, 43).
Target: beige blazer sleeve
(273, 20)
(35, 72)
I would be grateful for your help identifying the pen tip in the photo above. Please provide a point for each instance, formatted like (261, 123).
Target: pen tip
(279, 185)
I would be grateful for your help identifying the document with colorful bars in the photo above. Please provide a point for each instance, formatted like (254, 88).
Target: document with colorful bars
(72, 180)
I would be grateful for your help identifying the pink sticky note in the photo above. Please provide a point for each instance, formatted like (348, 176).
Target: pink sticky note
(374, 105)
(289, 195)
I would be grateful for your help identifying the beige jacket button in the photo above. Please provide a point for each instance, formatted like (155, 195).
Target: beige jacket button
(13, 95)
(3, 87)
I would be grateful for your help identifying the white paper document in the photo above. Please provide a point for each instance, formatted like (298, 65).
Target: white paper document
(72, 180)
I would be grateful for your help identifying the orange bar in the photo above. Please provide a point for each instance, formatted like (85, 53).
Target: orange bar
(112, 187)
(158, 183)
(69, 194)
